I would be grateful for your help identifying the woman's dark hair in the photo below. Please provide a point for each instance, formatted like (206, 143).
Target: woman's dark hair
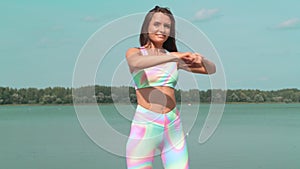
(170, 43)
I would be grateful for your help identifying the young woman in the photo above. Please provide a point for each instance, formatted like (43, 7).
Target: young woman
(154, 67)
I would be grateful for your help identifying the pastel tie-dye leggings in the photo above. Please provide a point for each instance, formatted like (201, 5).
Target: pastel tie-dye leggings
(151, 131)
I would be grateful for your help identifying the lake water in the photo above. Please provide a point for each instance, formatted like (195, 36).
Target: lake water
(249, 136)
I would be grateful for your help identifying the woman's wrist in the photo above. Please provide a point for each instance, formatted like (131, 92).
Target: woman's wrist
(203, 61)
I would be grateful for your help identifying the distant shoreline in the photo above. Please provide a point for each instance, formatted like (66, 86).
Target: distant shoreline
(125, 94)
(228, 103)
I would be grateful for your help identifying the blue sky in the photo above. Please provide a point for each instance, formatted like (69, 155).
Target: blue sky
(257, 41)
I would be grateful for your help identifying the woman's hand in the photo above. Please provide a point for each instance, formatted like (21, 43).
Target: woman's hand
(189, 59)
(198, 60)
(194, 62)
(186, 57)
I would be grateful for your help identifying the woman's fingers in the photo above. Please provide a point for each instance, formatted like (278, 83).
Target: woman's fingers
(191, 58)
(199, 58)
(187, 57)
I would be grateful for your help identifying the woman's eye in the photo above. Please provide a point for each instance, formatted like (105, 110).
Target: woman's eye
(167, 26)
(156, 24)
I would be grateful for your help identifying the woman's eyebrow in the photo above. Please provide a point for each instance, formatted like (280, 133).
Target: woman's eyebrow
(163, 23)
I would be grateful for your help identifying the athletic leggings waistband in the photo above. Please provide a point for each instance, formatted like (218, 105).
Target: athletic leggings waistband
(144, 115)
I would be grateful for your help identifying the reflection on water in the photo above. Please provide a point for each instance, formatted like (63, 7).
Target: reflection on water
(249, 136)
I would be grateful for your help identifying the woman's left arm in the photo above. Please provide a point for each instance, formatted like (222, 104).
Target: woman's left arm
(199, 65)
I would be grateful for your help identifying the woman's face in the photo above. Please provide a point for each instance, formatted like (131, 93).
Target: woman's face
(159, 28)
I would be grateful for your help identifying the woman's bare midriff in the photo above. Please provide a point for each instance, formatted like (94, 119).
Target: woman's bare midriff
(159, 99)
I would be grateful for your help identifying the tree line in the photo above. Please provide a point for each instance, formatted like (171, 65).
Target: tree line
(125, 94)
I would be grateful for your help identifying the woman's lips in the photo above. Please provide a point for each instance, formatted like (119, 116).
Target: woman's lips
(160, 35)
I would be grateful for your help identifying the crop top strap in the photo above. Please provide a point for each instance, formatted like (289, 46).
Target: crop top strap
(143, 50)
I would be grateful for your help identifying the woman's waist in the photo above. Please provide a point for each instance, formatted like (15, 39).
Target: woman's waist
(157, 99)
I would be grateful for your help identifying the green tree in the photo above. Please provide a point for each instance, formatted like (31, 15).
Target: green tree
(258, 98)
(233, 98)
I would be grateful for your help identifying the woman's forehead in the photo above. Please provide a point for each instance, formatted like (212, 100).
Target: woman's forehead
(160, 17)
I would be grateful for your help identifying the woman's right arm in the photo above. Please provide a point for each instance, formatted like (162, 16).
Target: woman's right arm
(136, 61)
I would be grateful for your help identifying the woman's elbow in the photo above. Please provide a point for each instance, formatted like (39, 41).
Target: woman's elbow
(135, 65)
(212, 69)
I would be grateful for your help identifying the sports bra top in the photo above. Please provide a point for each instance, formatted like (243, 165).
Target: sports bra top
(165, 74)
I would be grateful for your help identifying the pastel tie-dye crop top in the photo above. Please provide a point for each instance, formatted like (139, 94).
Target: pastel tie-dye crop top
(165, 74)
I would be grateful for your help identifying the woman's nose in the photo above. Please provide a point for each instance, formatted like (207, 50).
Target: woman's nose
(161, 28)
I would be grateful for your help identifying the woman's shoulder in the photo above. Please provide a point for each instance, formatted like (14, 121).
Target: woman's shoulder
(132, 51)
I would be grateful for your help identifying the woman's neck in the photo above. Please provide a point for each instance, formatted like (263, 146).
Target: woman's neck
(153, 45)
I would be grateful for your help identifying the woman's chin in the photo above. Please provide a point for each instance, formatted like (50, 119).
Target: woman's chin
(159, 40)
